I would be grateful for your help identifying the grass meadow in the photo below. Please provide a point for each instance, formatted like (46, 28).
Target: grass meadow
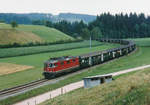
(128, 89)
(145, 42)
(37, 61)
(20, 51)
(131, 89)
(8, 68)
(11, 36)
(138, 58)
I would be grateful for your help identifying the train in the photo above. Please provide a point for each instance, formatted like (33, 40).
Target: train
(54, 67)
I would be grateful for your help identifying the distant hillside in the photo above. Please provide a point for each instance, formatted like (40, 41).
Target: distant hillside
(46, 33)
(28, 18)
(76, 17)
(19, 18)
(30, 33)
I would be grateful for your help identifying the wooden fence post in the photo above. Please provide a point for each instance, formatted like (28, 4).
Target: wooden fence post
(61, 90)
(50, 96)
(35, 102)
(28, 103)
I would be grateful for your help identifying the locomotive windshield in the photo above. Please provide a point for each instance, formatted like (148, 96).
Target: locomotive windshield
(51, 65)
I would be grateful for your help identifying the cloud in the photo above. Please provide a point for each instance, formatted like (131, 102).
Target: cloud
(76, 6)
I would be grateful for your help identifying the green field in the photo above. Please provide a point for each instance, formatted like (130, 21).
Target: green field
(139, 58)
(129, 90)
(11, 52)
(142, 41)
(37, 61)
(46, 34)
(132, 89)
(11, 36)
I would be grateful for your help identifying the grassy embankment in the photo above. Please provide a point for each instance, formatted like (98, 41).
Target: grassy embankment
(30, 33)
(132, 89)
(138, 58)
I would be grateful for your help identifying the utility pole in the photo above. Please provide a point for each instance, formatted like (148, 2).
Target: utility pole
(90, 42)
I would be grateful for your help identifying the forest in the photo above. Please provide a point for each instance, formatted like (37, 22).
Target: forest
(106, 25)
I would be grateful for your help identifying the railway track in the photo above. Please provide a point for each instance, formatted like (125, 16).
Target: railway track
(35, 84)
(38, 83)
(15, 89)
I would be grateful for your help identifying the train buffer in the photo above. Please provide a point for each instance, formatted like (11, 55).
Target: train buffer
(96, 80)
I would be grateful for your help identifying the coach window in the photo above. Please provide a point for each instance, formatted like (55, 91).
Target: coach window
(51, 65)
(83, 60)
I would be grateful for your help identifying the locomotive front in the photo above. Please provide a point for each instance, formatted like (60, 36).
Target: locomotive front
(60, 65)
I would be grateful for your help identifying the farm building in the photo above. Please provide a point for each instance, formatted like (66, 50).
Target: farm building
(96, 80)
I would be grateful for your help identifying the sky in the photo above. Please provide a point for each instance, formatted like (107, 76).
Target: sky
(93, 7)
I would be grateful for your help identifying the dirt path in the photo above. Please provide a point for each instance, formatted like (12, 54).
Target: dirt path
(51, 94)
(130, 70)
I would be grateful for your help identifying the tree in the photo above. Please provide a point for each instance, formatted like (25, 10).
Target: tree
(96, 33)
(38, 22)
(137, 30)
(143, 29)
(2, 21)
(48, 24)
(85, 33)
(14, 24)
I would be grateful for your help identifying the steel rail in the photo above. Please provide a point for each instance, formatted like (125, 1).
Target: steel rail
(27, 85)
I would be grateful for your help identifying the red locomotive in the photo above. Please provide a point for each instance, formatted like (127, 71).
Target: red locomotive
(55, 66)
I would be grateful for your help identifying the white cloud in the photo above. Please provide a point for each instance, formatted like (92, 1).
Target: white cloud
(76, 6)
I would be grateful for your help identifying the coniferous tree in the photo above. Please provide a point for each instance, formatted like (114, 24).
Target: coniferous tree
(96, 33)
(85, 33)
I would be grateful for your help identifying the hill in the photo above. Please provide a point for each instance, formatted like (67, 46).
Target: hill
(46, 33)
(72, 17)
(30, 33)
(27, 18)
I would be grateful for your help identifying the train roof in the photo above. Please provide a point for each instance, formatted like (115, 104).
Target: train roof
(102, 52)
(97, 53)
(90, 54)
(63, 58)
